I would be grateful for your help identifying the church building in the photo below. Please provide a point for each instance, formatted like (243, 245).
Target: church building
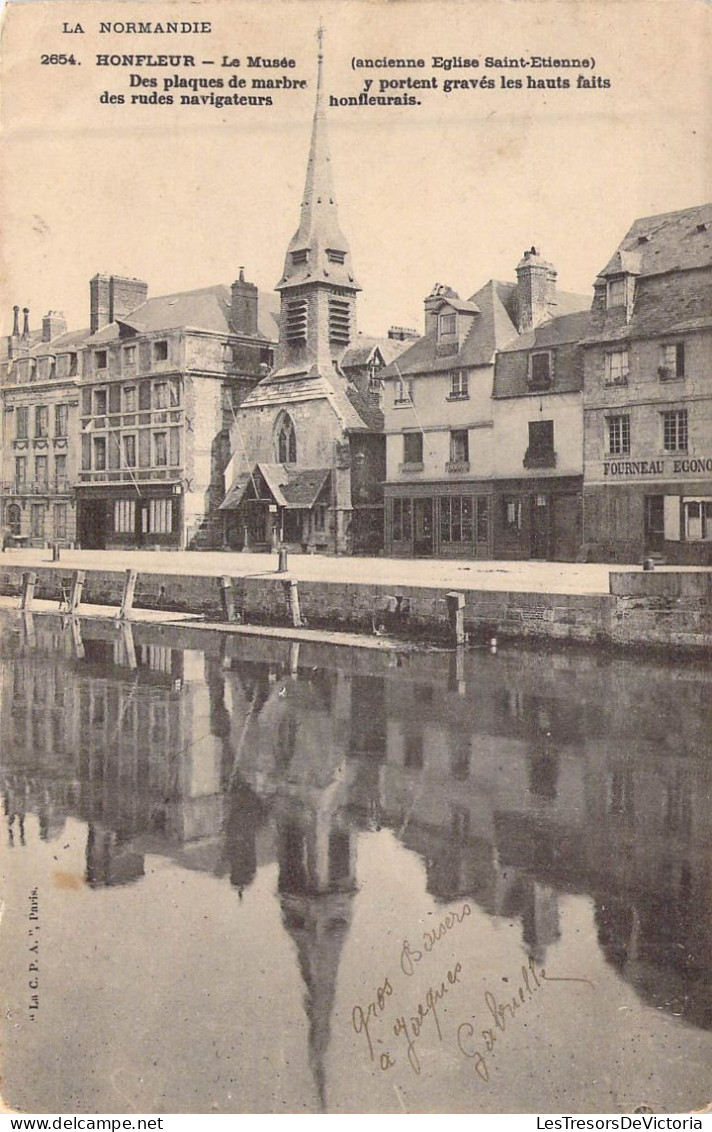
(308, 452)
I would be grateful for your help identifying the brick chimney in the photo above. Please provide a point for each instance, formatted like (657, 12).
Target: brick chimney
(53, 324)
(112, 297)
(536, 290)
(244, 307)
(25, 324)
(402, 333)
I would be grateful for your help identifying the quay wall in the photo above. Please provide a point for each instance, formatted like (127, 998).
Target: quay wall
(668, 609)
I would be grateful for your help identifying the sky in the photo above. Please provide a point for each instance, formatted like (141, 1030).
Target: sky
(449, 191)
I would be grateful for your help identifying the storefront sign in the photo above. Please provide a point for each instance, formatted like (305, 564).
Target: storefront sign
(678, 466)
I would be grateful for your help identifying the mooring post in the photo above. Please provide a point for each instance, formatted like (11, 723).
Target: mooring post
(129, 647)
(127, 597)
(291, 590)
(227, 599)
(75, 593)
(456, 615)
(55, 551)
(294, 658)
(282, 567)
(29, 581)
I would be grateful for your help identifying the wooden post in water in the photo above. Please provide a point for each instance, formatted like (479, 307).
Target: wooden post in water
(456, 615)
(291, 590)
(29, 581)
(227, 599)
(127, 598)
(75, 593)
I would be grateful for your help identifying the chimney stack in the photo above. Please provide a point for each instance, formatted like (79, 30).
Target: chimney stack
(244, 307)
(112, 297)
(536, 290)
(15, 321)
(26, 322)
(53, 324)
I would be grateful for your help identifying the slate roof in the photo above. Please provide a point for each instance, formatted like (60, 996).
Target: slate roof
(292, 488)
(286, 387)
(671, 241)
(491, 328)
(207, 308)
(564, 328)
(361, 352)
(664, 304)
(63, 343)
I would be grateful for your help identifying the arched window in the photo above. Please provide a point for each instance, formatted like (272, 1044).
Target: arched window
(286, 441)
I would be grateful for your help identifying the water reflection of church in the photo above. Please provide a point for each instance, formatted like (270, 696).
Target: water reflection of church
(232, 754)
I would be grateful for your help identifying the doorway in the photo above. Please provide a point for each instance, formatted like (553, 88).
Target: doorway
(92, 524)
(540, 527)
(422, 527)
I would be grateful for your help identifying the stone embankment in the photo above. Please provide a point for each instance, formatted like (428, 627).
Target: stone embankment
(671, 610)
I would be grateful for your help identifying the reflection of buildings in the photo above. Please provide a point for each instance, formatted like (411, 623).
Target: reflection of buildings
(239, 752)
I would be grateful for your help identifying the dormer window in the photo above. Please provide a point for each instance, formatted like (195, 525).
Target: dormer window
(301, 256)
(335, 256)
(541, 370)
(448, 324)
(615, 292)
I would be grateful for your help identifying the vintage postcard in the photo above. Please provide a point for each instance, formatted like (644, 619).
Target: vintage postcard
(378, 337)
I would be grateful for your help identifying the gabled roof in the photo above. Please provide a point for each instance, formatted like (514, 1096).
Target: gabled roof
(207, 308)
(287, 387)
(363, 349)
(290, 487)
(491, 328)
(671, 241)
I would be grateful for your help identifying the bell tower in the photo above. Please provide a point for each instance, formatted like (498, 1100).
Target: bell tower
(318, 289)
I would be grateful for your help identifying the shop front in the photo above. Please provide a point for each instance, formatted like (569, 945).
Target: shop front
(130, 516)
(429, 521)
(538, 519)
(660, 508)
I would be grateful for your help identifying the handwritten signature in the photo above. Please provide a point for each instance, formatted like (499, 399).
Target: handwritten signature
(503, 1013)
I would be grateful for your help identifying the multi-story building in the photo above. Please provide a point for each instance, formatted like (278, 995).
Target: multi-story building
(308, 459)
(648, 395)
(457, 473)
(160, 383)
(538, 431)
(117, 435)
(40, 371)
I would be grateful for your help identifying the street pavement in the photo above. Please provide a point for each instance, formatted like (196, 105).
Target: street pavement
(519, 577)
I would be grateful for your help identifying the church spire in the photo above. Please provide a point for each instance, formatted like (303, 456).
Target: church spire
(318, 251)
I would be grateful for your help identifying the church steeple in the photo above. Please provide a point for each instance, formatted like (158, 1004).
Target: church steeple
(318, 288)
(318, 249)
